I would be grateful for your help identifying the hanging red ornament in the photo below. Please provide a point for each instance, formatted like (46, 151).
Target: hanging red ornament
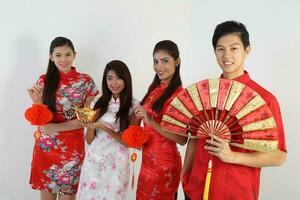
(135, 136)
(38, 114)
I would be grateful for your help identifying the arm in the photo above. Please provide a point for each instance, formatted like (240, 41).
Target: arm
(90, 135)
(259, 159)
(221, 149)
(52, 128)
(189, 157)
(141, 113)
(117, 136)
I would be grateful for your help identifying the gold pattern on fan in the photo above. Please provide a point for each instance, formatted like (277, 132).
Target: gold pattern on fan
(171, 120)
(255, 103)
(180, 107)
(221, 107)
(258, 145)
(234, 93)
(265, 124)
(86, 114)
(193, 92)
(213, 91)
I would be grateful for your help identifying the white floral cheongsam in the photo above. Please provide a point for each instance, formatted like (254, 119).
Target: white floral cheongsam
(106, 168)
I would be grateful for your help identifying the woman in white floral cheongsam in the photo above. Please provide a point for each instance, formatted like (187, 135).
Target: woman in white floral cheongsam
(105, 172)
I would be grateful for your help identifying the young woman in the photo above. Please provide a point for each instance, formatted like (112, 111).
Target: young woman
(58, 154)
(161, 163)
(105, 172)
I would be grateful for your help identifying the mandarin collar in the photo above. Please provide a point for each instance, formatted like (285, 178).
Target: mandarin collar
(112, 100)
(69, 74)
(163, 84)
(243, 78)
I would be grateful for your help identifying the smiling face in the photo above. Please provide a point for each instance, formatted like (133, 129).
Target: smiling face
(164, 65)
(63, 57)
(231, 54)
(114, 83)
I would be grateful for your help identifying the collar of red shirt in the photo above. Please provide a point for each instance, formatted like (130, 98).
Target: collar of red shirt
(242, 79)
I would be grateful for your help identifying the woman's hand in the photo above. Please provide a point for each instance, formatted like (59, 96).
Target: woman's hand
(93, 125)
(141, 113)
(49, 129)
(36, 93)
(219, 148)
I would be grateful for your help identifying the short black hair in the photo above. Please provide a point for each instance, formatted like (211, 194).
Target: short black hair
(231, 27)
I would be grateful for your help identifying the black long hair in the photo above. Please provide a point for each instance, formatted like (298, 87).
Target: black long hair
(52, 75)
(171, 48)
(123, 73)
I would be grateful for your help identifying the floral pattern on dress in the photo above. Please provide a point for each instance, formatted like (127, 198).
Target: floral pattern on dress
(106, 168)
(57, 159)
(61, 177)
(46, 143)
(161, 162)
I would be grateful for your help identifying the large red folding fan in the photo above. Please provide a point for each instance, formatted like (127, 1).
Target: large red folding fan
(226, 108)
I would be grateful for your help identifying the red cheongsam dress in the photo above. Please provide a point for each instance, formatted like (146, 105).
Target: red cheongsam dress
(161, 162)
(57, 160)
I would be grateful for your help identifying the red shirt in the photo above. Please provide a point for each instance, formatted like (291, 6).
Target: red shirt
(230, 181)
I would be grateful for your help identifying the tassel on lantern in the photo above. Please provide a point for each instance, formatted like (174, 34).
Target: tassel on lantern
(133, 158)
(134, 136)
(207, 181)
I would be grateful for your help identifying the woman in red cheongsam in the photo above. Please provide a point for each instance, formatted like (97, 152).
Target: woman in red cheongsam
(58, 153)
(161, 162)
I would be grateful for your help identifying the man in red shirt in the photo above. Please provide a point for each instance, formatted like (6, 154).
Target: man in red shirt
(235, 172)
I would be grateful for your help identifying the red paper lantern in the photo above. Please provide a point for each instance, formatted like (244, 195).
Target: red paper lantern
(135, 136)
(38, 114)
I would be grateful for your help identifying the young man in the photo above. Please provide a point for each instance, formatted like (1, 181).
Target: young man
(236, 172)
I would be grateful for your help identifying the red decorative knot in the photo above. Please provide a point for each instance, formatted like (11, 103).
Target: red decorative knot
(37, 134)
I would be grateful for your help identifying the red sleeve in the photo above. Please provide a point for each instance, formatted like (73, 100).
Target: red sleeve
(41, 80)
(91, 88)
(274, 106)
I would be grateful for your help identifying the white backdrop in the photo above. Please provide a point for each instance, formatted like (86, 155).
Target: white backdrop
(128, 30)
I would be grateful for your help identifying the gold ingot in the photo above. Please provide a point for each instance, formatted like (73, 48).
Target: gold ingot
(86, 114)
